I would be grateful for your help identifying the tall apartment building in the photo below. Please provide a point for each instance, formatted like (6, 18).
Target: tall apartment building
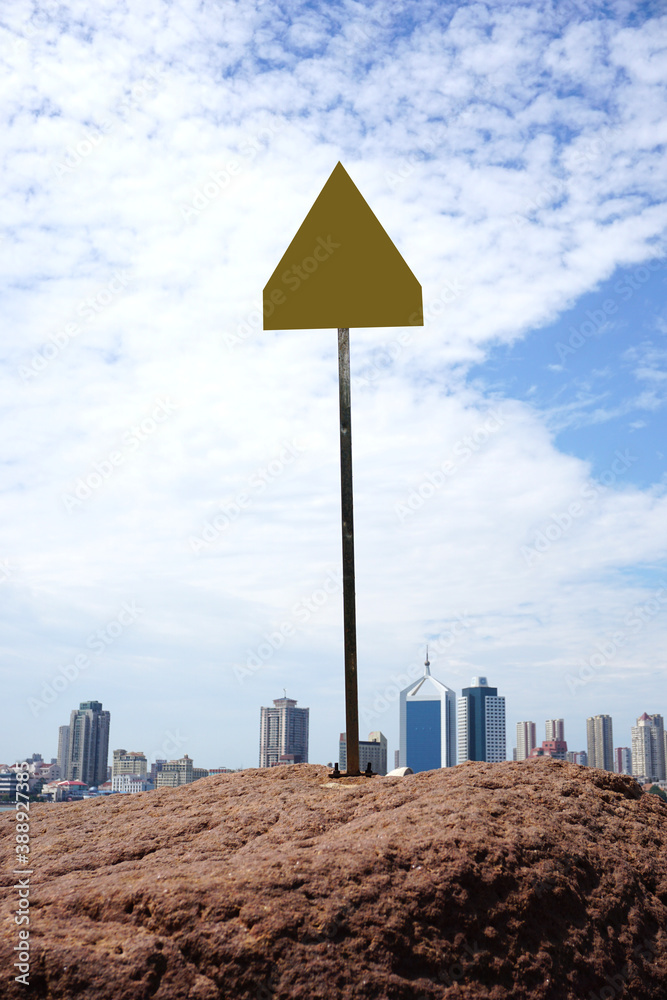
(600, 740)
(283, 731)
(63, 749)
(525, 739)
(427, 722)
(648, 748)
(372, 751)
(623, 760)
(577, 757)
(481, 723)
(84, 744)
(554, 729)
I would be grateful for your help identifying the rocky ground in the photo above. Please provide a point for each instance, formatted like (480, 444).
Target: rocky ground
(488, 881)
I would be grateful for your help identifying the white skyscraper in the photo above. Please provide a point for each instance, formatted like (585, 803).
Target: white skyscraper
(648, 748)
(554, 729)
(427, 724)
(525, 739)
(600, 739)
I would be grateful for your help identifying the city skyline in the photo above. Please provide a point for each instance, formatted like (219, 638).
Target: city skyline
(599, 731)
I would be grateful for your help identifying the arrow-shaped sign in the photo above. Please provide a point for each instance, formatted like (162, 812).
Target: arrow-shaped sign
(342, 270)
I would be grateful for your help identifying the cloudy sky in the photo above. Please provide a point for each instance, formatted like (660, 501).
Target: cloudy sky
(170, 477)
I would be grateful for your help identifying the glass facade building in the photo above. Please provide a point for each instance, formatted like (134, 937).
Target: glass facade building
(481, 730)
(427, 724)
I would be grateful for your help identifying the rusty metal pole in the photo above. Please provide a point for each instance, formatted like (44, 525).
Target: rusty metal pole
(349, 609)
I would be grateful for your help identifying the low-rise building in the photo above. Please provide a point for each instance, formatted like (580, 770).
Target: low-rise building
(372, 751)
(129, 783)
(551, 748)
(179, 772)
(49, 772)
(63, 791)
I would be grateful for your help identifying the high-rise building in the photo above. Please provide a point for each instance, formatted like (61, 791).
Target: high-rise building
(525, 739)
(283, 730)
(427, 724)
(554, 729)
(648, 748)
(600, 739)
(63, 749)
(577, 757)
(481, 723)
(623, 760)
(87, 743)
(372, 751)
(397, 757)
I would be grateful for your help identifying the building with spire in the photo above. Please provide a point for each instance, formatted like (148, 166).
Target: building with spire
(427, 724)
(481, 723)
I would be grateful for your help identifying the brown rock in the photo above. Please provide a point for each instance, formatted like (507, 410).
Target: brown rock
(488, 881)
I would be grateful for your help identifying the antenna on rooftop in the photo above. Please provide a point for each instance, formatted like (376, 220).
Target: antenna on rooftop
(427, 665)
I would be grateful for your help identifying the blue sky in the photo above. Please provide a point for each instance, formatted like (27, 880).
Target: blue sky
(597, 373)
(170, 472)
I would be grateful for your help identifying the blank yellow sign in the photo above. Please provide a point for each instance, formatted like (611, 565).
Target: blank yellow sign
(341, 269)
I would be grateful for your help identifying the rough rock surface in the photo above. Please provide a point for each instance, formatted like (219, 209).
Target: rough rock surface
(525, 880)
